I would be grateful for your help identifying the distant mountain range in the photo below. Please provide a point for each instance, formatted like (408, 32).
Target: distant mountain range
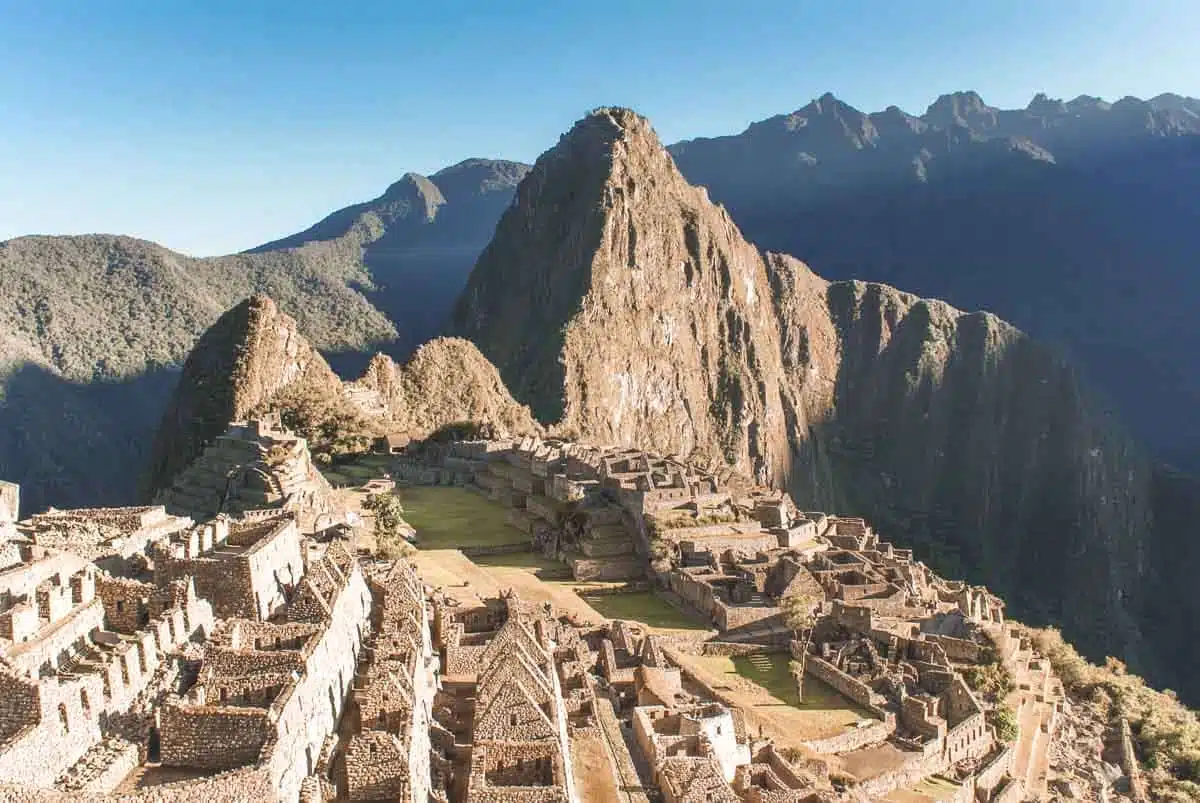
(1077, 221)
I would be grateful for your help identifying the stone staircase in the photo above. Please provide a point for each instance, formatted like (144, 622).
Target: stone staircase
(101, 768)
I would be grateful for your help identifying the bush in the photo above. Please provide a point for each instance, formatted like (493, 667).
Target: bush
(1166, 734)
(1004, 721)
(992, 680)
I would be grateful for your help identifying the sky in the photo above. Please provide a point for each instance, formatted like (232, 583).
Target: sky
(211, 127)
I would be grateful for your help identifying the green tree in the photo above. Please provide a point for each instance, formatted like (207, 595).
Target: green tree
(1004, 720)
(390, 525)
(800, 614)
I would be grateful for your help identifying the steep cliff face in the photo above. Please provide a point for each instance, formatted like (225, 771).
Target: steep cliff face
(619, 302)
(250, 354)
(446, 381)
(958, 434)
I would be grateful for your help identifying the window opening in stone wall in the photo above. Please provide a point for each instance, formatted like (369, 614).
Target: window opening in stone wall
(223, 694)
(83, 701)
(120, 606)
(513, 719)
(62, 715)
(154, 746)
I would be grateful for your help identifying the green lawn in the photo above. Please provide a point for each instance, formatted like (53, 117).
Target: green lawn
(642, 606)
(772, 672)
(447, 517)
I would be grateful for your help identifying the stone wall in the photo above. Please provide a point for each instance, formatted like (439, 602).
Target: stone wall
(53, 644)
(853, 689)
(855, 738)
(734, 649)
(957, 649)
(212, 737)
(992, 774)
(311, 711)
(1129, 763)
(126, 602)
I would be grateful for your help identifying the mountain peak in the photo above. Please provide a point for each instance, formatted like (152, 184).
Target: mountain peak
(252, 352)
(1042, 104)
(413, 188)
(647, 303)
(958, 108)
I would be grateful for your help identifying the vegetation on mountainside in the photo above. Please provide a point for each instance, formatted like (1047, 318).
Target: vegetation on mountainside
(389, 526)
(331, 424)
(989, 678)
(1166, 733)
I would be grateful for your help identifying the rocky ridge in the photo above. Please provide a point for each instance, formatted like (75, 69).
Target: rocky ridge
(254, 360)
(446, 381)
(625, 307)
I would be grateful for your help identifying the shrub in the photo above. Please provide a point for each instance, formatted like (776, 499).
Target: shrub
(389, 526)
(1004, 720)
(990, 679)
(1166, 733)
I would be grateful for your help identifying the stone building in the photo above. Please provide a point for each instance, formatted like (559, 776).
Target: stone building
(514, 686)
(247, 567)
(388, 756)
(269, 694)
(116, 539)
(71, 665)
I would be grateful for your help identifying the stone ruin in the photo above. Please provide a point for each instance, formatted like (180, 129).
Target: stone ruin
(255, 465)
(228, 654)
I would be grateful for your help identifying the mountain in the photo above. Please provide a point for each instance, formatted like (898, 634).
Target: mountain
(419, 240)
(250, 354)
(624, 306)
(1075, 220)
(94, 328)
(255, 360)
(446, 381)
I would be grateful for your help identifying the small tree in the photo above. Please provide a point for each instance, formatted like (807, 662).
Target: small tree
(389, 525)
(800, 614)
(1004, 720)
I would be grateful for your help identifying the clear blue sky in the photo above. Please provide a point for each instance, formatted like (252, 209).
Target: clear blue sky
(214, 126)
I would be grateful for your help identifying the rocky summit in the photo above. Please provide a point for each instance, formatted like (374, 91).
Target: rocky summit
(250, 354)
(624, 306)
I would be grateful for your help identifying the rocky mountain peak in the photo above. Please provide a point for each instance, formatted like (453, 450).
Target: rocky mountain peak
(959, 108)
(251, 353)
(617, 300)
(416, 192)
(473, 177)
(1043, 106)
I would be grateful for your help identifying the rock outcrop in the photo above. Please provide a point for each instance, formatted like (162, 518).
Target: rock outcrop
(250, 354)
(622, 305)
(446, 381)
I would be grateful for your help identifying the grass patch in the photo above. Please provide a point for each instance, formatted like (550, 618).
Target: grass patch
(772, 672)
(642, 606)
(335, 479)
(447, 517)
